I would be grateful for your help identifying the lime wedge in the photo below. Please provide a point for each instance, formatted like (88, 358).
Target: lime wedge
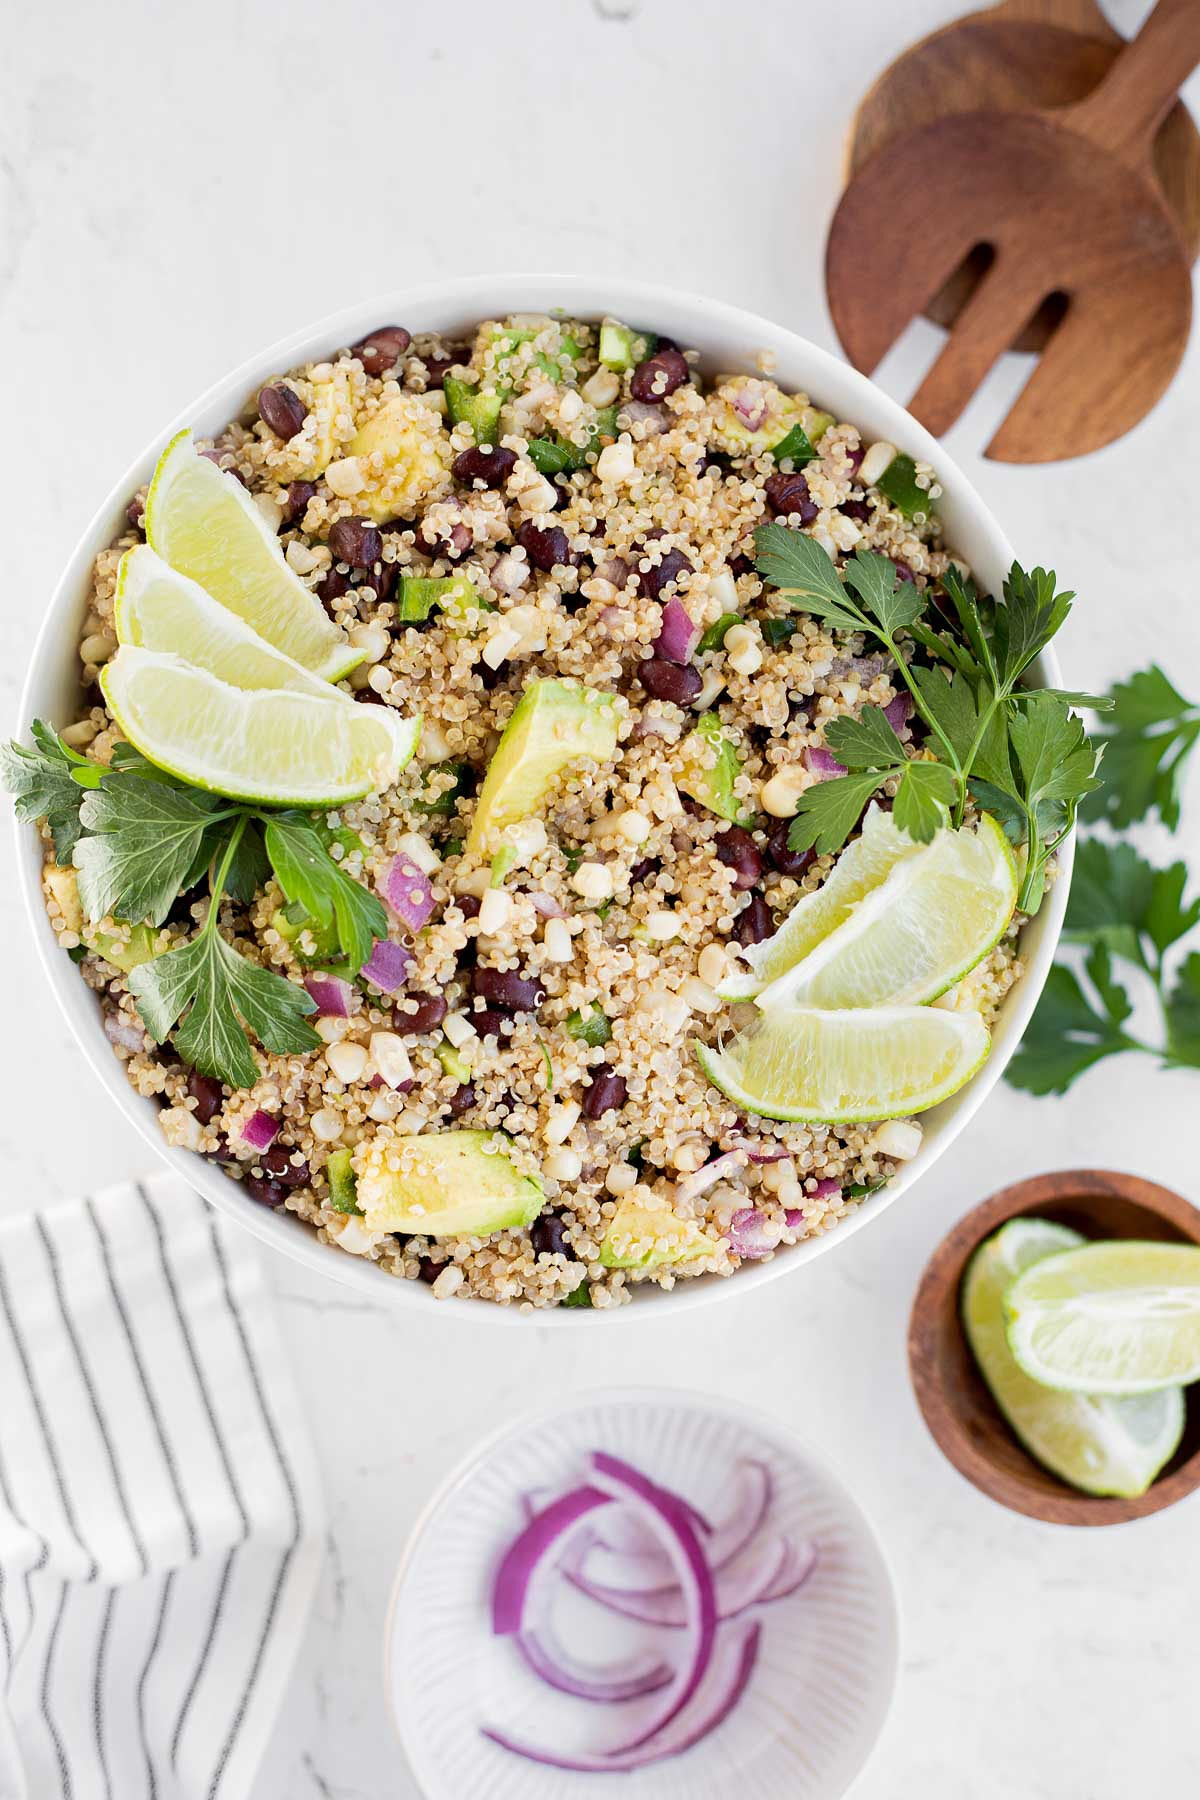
(1102, 1444)
(883, 1062)
(1121, 1317)
(205, 524)
(932, 919)
(267, 744)
(157, 608)
(858, 870)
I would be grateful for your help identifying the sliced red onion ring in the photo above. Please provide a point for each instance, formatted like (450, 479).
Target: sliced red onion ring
(822, 762)
(757, 1151)
(643, 1673)
(260, 1131)
(665, 1515)
(511, 1586)
(408, 892)
(655, 417)
(614, 1532)
(899, 711)
(824, 1190)
(679, 635)
(331, 994)
(795, 1571)
(761, 1572)
(690, 1187)
(388, 965)
(730, 1674)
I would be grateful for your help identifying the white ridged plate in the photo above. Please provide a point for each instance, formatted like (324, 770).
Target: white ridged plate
(828, 1655)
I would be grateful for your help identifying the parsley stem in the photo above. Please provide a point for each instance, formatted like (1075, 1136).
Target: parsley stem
(930, 720)
(217, 882)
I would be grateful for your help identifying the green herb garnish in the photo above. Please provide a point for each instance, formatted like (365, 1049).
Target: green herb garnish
(1019, 753)
(715, 636)
(139, 839)
(1121, 907)
(580, 1296)
(794, 448)
(590, 1027)
(898, 483)
(1147, 740)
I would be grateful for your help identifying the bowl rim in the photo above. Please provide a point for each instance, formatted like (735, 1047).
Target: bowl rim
(790, 1441)
(719, 329)
(944, 1272)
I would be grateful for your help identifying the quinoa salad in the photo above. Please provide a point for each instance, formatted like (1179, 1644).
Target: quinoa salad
(558, 514)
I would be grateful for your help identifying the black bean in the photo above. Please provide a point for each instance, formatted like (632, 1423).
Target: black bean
(605, 1093)
(428, 1271)
(669, 681)
(782, 857)
(655, 580)
(437, 362)
(331, 587)
(298, 496)
(221, 1153)
(135, 512)
(427, 1015)
(451, 544)
(381, 581)
(277, 1162)
(548, 1235)
(355, 541)
(215, 456)
(207, 1094)
(507, 991)
(903, 571)
(856, 509)
(381, 350)
(740, 565)
(755, 923)
(659, 375)
(462, 1100)
(281, 407)
(641, 871)
(265, 1189)
(468, 905)
(546, 546)
(787, 494)
(738, 851)
(492, 467)
(490, 1023)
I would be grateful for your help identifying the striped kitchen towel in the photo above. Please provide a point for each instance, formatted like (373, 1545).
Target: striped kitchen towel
(160, 1511)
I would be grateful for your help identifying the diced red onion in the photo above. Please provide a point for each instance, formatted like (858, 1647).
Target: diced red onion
(750, 405)
(388, 965)
(690, 1187)
(793, 1218)
(545, 905)
(731, 1670)
(120, 1031)
(757, 1152)
(750, 1235)
(260, 1130)
(822, 762)
(825, 1189)
(511, 1586)
(664, 1514)
(679, 635)
(655, 417)
(408, 892)
(899, 711)
(330, 993)
(863, 668)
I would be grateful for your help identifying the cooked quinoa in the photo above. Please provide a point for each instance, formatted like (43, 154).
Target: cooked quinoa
(627, 896)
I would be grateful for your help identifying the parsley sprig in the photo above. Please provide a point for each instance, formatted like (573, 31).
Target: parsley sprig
(1147, 739)
(1020, 753)
(139, 839)
(1122, 910)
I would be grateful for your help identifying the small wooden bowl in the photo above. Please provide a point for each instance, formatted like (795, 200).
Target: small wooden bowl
(952, 1394)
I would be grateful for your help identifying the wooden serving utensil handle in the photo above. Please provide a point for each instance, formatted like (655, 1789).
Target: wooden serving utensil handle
(1072, 15)
(1126, 110)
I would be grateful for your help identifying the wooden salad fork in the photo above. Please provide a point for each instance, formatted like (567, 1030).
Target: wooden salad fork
(1067, 203)
(1017, 54)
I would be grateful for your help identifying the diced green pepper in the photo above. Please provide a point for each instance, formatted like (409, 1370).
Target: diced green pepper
(898, 483)
(476, 407)
(503, 863)
(778, 631)
(559, 456)
(580, 1296)
(714, 637)
(446, 802)
(590, 1027)
(293, 921)
(451, 594)
(621, 347)
(343, 1187)
(453, 1062)
(794, 448)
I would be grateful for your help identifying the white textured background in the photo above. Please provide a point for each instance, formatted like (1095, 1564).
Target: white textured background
(181, 184)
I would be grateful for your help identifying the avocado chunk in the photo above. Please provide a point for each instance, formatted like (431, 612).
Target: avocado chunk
(621, 346)
(477, 407)
(552, 727)
(123, 954)
(450, 1184)
(293, 921)
(713, 787)
(647, 1237)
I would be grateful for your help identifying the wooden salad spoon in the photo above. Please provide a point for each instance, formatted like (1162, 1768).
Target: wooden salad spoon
(1018, 54)
(1068, 205)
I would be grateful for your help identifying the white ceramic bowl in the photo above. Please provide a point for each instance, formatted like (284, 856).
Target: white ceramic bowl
(828, 1656)
(726, 338)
